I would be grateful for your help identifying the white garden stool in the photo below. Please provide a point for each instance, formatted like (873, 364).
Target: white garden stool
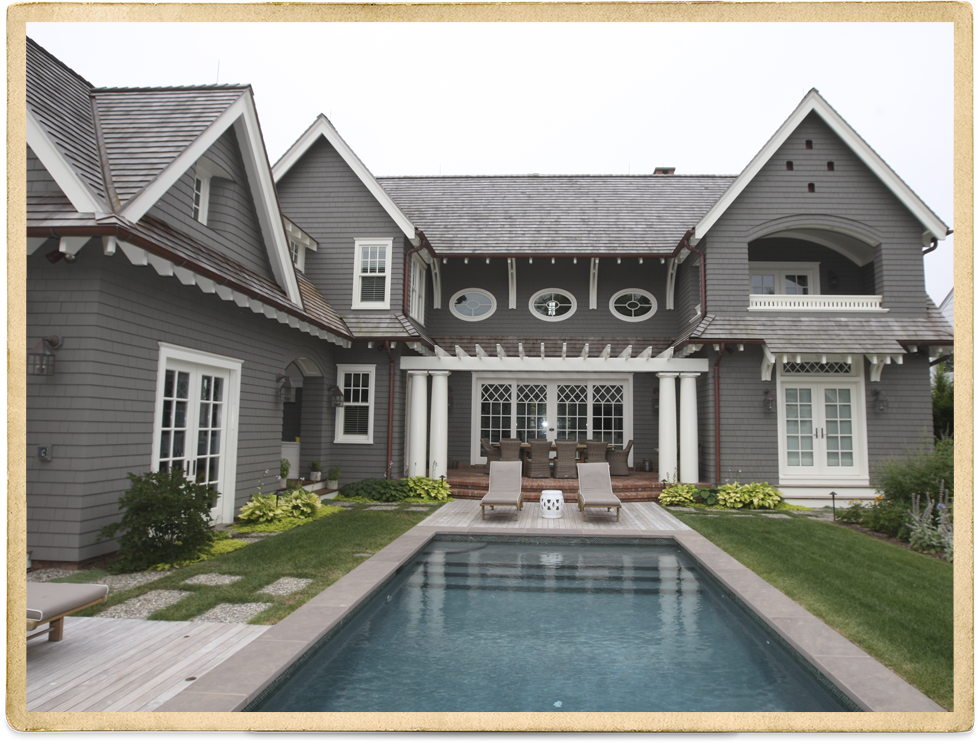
(552, 503)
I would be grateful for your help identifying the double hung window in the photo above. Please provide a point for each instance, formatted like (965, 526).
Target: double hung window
(355, 419)
(372, 273)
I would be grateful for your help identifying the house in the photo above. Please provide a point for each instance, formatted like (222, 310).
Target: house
(771, 325)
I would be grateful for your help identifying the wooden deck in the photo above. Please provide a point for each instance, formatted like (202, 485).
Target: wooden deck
(125, 665)
(637, 516)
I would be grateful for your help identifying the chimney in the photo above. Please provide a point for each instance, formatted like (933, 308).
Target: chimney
(664, 170)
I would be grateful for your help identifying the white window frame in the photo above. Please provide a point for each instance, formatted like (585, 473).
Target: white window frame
(644, 292)
(779, 271)
(386, 242)
(416, 290)
(204, 170)
(466, 318)
(546, 318)
(362, 439)
(859, 476)
(171, 357)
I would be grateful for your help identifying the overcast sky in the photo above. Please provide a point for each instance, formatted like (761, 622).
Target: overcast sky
(559, 98)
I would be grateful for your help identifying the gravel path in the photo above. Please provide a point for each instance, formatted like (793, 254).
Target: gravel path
(285, 585)
(212, 579)
(142, 606)
(232, 613)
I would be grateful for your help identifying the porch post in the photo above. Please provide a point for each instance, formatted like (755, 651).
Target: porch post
(416, 433)
(439, 426)
(689, 428)
(667, 422)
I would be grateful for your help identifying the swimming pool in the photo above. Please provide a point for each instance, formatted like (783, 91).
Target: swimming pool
(545, 625)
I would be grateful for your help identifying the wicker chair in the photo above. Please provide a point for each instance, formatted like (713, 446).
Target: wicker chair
(619, 460)
(539, 464)
(510, 449)
(493, 453)
(565, 459)
(596, 451)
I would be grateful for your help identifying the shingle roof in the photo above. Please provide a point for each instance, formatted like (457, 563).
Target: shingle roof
(555, 215)
(384, 326)
(829, 335)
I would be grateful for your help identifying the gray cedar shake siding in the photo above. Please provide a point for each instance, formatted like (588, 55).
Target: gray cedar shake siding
(323, 196)
(96, 411)
(851, 195)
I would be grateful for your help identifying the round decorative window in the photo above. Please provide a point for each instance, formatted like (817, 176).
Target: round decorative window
(473, 304)
(552, 305)
(633, 305)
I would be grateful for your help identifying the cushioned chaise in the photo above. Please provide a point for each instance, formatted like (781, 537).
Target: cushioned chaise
(50, 603)
(595, 488)
(505, 487)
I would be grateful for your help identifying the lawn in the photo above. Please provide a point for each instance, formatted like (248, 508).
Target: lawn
(322, 551)
(896, 604)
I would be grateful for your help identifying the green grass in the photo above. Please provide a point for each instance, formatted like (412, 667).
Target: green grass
(322, 551)
(895, 604)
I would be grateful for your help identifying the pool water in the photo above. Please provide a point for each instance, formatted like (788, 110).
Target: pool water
(546, 627)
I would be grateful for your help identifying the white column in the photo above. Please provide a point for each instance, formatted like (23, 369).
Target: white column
(416, 431)
(689, 428)
(439, 426)
(668, 426)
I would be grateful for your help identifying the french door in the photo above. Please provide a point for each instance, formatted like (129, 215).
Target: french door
(196, 423)
(536, 409)
(822, 430)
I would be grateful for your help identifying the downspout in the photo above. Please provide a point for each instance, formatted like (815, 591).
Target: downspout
(721, 353)
(391, 404)
(935, 243)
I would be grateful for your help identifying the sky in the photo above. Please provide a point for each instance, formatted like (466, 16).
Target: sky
(587, 98)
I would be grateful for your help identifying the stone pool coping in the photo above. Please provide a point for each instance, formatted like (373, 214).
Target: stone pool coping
(234, 684)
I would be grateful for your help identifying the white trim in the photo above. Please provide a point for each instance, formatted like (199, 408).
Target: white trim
(339, 436)
(641, 318)
(546, 318)
(70, 181)
(831, 303)
(593, 284)
(172, 353)
(512, 283)
(779, 270)
(356, 302)
(322, 127)
(671, 281)
(813, 102)
(205, 170)
(491, 297)
(416, 289)
(436, 284)
(482, 362)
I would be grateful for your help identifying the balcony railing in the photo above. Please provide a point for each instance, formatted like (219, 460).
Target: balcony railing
(816, 303)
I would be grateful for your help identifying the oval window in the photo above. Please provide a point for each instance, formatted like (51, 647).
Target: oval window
(473, 304)
(633, 305)
(552, 305)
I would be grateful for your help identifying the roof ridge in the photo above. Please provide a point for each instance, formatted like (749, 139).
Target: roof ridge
(554, 176)
(189, 87)
(54, 59)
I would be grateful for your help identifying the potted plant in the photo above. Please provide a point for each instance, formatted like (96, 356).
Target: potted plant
(333, 478)
(283, 473)
(316, 470)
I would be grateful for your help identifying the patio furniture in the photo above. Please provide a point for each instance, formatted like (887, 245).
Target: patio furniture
(539, 459)
(552, 503)
(619, 460)
(493, 453)
(510, 449)
(565, 462)
(50, 603)
(596, 451)
(595, 488)
(505, 487)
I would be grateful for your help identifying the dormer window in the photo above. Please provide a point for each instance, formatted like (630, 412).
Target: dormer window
(795, 279)
(299, 244)
(372, 273)
(204, 171)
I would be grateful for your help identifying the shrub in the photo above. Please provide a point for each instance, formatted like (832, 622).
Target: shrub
(264, 508)
(942, 401)
(378, 490)
(888, 517)
(679, 494)
(917, 472)
(333, 474)
(166, 519)
(429, 490)
(283, 469)
(285, 524)
(756, 495)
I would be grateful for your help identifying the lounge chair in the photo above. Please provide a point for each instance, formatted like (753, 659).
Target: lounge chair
(596, 451)
(539, 464)
(493, 453)
(619, 460)
(505, 487)
(595, 488)
(50, 603)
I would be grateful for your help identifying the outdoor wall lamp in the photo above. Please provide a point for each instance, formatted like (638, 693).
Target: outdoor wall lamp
(769, 401)
(40, 359)
(881, 401)
(336, 397)
(287, 393)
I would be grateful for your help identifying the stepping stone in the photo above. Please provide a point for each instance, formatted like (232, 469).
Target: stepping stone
(375, 509)
(142, 606)
(418, 509)
(212, 579)
(232, 613)
(285, 585)
(775, 515)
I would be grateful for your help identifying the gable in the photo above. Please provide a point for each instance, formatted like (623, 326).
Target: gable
(40, 183)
